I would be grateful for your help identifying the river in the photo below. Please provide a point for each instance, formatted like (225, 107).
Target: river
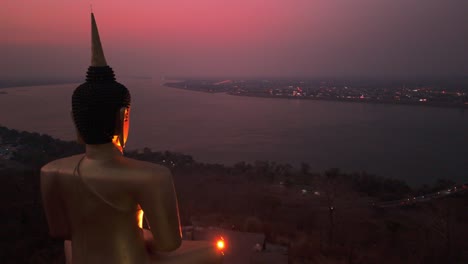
(418, 144)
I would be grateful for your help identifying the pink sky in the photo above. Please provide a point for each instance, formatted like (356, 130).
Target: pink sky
(237, 37)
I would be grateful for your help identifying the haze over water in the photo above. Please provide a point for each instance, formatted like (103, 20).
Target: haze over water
(418, 144)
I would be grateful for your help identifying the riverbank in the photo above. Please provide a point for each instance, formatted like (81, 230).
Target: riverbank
(355, 100)
(37, 82)
(33, 150)
(329, 99)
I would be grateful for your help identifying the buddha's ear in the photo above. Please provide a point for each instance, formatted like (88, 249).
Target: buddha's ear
(79, 139)
(123, 126)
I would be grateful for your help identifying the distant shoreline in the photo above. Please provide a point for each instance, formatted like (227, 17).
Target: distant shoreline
(364, 101)
(15, 84)
(346, 100)
(40, 82)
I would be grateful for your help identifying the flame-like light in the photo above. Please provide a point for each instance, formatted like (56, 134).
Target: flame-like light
(221, 244)
(140, 214)
(116, 142)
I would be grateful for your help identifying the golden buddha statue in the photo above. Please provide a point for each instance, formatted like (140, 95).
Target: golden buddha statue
(95, 201)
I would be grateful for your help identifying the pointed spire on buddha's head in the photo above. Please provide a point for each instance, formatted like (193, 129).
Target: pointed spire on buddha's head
(97, 57)
(98, 70)
(96, 102)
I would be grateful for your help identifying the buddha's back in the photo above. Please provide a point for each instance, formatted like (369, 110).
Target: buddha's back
(99, 199)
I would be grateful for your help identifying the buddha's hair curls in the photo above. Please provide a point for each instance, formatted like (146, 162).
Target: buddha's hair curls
(96, 104)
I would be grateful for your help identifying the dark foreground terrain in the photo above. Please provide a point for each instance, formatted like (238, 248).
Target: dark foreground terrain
(327, 217)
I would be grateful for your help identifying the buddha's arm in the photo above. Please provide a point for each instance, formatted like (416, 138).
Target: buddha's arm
(159, 202)
(54, 206)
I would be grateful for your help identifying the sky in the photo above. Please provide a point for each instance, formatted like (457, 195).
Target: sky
(238, 38)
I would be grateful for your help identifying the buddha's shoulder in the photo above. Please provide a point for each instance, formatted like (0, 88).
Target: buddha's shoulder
(61, 164)
(147, 170)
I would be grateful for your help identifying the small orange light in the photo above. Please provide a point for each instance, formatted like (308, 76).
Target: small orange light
(140, 214)
(220, 244)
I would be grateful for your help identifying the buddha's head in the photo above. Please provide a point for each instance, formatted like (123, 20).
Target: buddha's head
(101, 106)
